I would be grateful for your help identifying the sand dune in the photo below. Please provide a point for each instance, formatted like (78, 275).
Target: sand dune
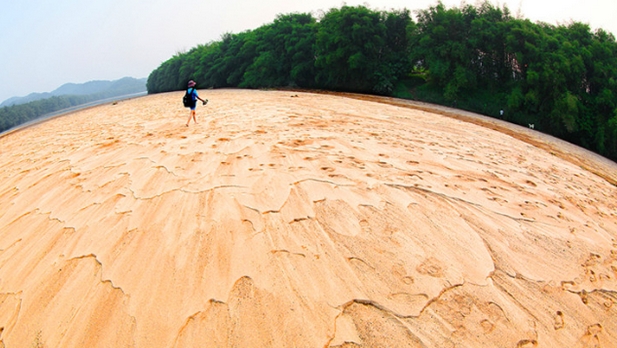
(290, 219)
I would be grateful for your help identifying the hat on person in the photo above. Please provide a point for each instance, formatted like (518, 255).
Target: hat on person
(192, 83)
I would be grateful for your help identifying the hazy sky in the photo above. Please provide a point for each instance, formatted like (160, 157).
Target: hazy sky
(45, 44)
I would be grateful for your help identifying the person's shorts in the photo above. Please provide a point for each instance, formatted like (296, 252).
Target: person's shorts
(194, 105)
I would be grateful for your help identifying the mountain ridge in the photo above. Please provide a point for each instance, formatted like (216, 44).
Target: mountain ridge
(125, 85)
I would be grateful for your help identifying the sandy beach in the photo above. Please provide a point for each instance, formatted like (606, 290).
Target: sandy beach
(295, 219)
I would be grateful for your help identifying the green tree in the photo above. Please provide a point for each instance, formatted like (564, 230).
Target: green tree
(490, 60)
(561, 78)
(356, 49)
(284, 53)
(445, 48)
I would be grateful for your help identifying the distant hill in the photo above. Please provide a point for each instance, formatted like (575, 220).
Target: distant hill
(103, 89)
(18, 111)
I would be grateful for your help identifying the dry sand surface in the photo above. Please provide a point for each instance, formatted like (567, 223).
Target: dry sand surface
(291, 219)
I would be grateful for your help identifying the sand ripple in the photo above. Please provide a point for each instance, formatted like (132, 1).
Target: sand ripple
(299, 219)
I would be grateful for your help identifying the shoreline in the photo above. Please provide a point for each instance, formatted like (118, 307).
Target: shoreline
(67, 111)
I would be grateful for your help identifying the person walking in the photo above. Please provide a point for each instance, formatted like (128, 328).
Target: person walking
(194, 96)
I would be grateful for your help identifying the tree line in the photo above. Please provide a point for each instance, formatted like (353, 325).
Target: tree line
(67, 96)
(561, 78)
(15, 115)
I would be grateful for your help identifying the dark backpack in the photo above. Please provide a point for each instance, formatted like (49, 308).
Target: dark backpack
(187, 100)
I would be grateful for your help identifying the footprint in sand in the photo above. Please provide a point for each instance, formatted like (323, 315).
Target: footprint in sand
(584, 297)
(366, 227)
(487, 326)
(408, 280)
(431, 267)
(591, 339)
(527, 343)
(558, 322)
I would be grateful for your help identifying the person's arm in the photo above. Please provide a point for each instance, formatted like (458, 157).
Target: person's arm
(197, 95)
(203, 101)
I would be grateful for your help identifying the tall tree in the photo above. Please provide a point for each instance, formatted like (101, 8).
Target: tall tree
(445, 48)
(352, 49)
(561, 78)
(284, 53)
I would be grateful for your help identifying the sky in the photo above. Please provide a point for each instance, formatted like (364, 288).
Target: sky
(45, 44)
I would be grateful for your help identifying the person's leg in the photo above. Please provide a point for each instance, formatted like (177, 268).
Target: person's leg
(191, 115)
(194, 117)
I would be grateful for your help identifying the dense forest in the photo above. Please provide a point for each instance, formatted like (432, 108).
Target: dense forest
(12, 116)
(70, 95)
(561, 78)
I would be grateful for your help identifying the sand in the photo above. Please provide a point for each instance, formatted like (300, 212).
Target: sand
(292, 219)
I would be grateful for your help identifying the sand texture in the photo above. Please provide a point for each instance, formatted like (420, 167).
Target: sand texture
(291, 219)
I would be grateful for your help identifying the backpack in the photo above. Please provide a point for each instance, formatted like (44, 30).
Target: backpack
(187, 100)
